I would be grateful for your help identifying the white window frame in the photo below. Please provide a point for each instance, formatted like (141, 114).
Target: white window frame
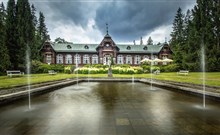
(69, 59)
(86, 59)
(120, 59)
(48, 58)
(95, 59)
(77, 59)
(137, 59)
(59, 59)
(128, 59)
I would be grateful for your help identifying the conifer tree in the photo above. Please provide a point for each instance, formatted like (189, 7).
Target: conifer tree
(36, 41)
(149, 41)
(25, 28)
(5, 61)
(42, 29)
(177, 37)
(10, 34)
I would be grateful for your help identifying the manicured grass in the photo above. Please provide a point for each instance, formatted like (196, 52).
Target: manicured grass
(212, 78)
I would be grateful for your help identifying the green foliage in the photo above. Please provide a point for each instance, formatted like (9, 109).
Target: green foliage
(69, 69)
(19, 31)
(198, 28)
(5, 61)
(38, 67)
(169, 68)
(11, 34)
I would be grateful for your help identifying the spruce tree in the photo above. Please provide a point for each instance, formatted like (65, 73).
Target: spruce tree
(10, 34)
(149, 41)
(36, 41)
(42, 29)
(177, 37)
(5, 61)
(25, 28)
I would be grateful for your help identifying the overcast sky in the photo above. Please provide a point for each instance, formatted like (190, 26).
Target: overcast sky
(84, 21)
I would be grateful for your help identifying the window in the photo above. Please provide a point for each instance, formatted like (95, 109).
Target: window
(164, 57)
(137, 59)
(86, 47)
(120, 59)
(128, 48)
(68, 59)
(86, 59)
(145, 48)
(94, 59)
(68, 46)
(77, 59)
(128, 59)
(59, 59)
(48, 58)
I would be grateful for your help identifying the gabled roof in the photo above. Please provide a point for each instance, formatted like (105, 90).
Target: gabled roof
(139, 48)
(70, 47)
(123, 48)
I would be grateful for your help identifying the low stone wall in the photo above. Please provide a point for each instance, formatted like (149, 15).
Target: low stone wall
(211, 92)
(20, 92)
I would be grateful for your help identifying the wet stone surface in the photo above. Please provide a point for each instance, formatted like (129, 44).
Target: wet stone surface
(106, 108)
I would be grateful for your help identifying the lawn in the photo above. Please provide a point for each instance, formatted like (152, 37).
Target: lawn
(212, 78)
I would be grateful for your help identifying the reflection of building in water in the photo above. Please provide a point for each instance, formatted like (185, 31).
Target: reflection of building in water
(103, 53)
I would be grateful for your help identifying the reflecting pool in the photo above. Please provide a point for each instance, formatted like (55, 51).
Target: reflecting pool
(105, 108)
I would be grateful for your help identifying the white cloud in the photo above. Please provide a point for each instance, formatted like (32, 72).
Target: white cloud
(157, 35)
(77, 34)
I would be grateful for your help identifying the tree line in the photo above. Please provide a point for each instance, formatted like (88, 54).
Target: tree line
(197, 28)
(20, 30)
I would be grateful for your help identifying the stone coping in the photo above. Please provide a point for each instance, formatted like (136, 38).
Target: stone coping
(20, 92)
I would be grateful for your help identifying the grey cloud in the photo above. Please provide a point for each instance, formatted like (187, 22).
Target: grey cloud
(129, 20)
(67, 10)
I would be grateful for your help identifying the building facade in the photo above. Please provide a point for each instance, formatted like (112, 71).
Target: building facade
(103, 53)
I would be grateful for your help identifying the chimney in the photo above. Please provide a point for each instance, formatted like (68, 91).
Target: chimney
(134, 42)
(141, 41)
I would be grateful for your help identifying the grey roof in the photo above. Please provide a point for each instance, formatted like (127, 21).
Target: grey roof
(70, 47)
(139, 48)
(123, 48)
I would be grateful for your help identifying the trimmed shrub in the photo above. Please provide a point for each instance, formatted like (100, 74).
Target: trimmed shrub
(170, 68)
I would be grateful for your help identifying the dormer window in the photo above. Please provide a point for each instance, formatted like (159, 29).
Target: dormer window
(145, 48)
(68, 46)
(128, 48)
(86, 47)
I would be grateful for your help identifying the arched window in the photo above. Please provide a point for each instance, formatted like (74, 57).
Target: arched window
(86, 59)
(137, 59)
(120, 59)
(59, 59)
(128, 59)
(48, 58)
(68, 59)
(77, 59)
(94, 59)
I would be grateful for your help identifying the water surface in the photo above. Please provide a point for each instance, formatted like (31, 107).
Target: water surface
(103, 108)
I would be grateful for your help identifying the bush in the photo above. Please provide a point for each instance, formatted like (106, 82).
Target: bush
(69, 69)
(170, 68)
(38, 67)
(115, 70)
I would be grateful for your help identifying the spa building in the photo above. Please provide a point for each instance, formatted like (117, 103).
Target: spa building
(103, 53)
